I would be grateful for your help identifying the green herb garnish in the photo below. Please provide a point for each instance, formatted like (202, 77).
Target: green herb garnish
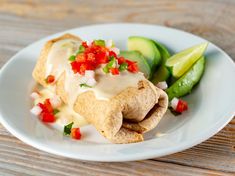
(106, 69)
(99, 42)
(81, 49)
(72, 58)
(55, 111)
(123, 66)
(85, 85)
(67, 128)
(109, 64)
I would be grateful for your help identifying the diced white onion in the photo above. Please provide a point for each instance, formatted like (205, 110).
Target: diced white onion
(162, 85)
(55, 101)
(88, 42)
(91, 82)
(174, 103)
(89, 74)
(36, 110)
(115, 50)
(83, 80)
(115, 65)
(34, 95)
(109, 43)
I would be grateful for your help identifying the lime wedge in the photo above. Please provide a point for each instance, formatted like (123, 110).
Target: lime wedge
(185, 83)
(182, 61)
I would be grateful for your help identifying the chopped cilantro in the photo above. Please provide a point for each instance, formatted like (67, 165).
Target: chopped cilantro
(111, 62)
(109, 65)
(84, 85)
(99, 42)
(55, 111)
(123, 66)
(72, 58)
(106, 69)
(67, 128)
(81, 49)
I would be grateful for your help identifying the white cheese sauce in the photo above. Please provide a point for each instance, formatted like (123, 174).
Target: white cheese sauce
(65, 115)
(106, 87)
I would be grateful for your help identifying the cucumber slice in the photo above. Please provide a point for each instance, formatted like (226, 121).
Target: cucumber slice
(182, 61)
(162, 73)
(139, 58)
(185, 84)
(147, 47)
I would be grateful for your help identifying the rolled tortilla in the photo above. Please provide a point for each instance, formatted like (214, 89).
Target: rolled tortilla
(126, 116)
(39, 72)
(121, 119)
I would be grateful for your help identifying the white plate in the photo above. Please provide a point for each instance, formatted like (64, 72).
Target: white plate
(211, 104)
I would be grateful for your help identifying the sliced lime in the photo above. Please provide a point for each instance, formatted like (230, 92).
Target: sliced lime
(185, 84)
(182, 61)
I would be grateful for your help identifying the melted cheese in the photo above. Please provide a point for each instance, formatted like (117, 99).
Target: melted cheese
(107, 85)
(57, 61)
(66, 114)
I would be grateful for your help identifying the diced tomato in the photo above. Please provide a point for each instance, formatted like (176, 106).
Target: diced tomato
(83, 68)
(81, 57)
(47, 117)
(48, 106)
(114, 71)
(130, 62)
(85, 44)
(50, 79)
(94, 55)
(75, 66)
(121, 60)
(133, 67)
(42, 107)
(111, 53)
(47, 111)
(75, 133)
(181, 106)
(101, 58)
(91, 57)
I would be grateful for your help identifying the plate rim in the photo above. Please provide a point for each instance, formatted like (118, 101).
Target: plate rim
(185, 145)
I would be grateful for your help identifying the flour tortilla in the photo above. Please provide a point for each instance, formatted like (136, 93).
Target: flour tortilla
(123, 118)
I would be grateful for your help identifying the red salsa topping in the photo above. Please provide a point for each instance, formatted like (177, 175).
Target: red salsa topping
(75, 133)
(47, 114)
(50, 79)
(181, 106)
(92, 56)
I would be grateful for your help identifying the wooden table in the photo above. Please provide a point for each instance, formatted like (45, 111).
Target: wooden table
(23, 22)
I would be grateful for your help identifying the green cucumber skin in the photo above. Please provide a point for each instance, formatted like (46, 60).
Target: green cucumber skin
(186, 82)
(139, 58)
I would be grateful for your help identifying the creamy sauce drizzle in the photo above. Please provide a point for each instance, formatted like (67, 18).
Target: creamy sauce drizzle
(58, 56)
(107, 85)
(66, 114)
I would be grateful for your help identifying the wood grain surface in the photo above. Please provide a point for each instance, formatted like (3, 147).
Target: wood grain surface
(23, 22)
